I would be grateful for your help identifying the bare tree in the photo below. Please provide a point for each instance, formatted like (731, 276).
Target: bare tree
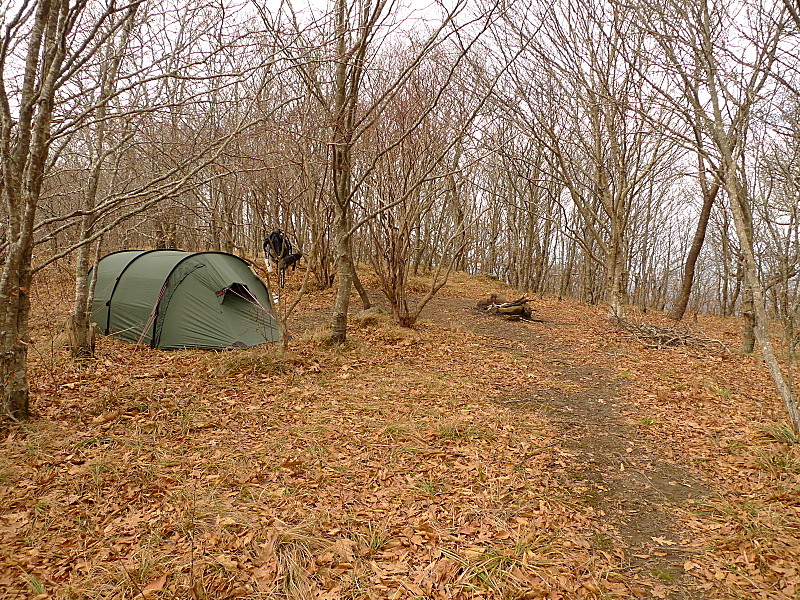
(794, 10)
(417, 173)
(81, 331)
(577, 94)
(729, 71)
(44, 44)
(356, 31)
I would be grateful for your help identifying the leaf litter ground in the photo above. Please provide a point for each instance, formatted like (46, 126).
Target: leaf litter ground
(471, 457)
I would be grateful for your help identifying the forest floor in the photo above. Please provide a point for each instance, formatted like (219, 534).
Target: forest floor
(471, 457)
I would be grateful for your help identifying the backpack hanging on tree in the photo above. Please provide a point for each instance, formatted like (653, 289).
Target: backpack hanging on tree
(278, 249)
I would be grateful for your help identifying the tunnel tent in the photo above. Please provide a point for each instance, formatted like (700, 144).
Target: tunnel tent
(172, 299)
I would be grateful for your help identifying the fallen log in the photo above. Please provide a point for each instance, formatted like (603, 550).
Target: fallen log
(491, 300)
(522, 301)
(518, 308)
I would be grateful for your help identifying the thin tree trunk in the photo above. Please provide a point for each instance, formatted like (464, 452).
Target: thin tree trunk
(567, 257)
(744, 230)
(616, 276)
(749, 318)
(365, 301)
(709, 195)
(80, 325)
(81, 340)
(726, 267)
(340, 169)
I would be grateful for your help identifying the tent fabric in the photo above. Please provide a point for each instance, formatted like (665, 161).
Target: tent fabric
(113, 265)
(172, 299)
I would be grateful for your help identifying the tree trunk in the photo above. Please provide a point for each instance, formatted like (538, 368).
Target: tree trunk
(345, 273)
(365, 301)
(81, 340)
(567, 258)
(24, 141)
(616, 275)
(743, 222)
(80, 324)
(14, 297)
(345, 100)
(749, 318)
(709, 195)
(616, 288)
(726, 268)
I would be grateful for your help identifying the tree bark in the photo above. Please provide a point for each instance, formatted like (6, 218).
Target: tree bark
(365, 301)
(345, 275)
(744, 230)
(25, 142)
(616, 273)
(709, 195)
(749, 318)
(14, 296)
(345, 100)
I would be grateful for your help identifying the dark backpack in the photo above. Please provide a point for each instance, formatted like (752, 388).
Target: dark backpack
(278, 249)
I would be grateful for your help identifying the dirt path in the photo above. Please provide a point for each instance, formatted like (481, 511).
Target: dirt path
(618, 473)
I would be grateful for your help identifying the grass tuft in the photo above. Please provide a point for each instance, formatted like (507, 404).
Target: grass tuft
(779, 464)
(258, 360)
(782, 432)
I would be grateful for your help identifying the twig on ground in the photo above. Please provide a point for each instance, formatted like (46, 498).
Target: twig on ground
(133, 582)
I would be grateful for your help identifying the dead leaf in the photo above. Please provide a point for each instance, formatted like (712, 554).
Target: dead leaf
(663, 541)
(154, 586)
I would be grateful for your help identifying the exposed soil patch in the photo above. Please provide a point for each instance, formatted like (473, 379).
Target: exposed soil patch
(638, 492)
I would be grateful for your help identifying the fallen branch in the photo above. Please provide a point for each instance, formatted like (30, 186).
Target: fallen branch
(653, 336)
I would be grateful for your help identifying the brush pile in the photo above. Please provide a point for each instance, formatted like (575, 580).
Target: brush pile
(653, 336)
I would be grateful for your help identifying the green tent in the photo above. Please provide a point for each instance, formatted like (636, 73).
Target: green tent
(174, 299)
